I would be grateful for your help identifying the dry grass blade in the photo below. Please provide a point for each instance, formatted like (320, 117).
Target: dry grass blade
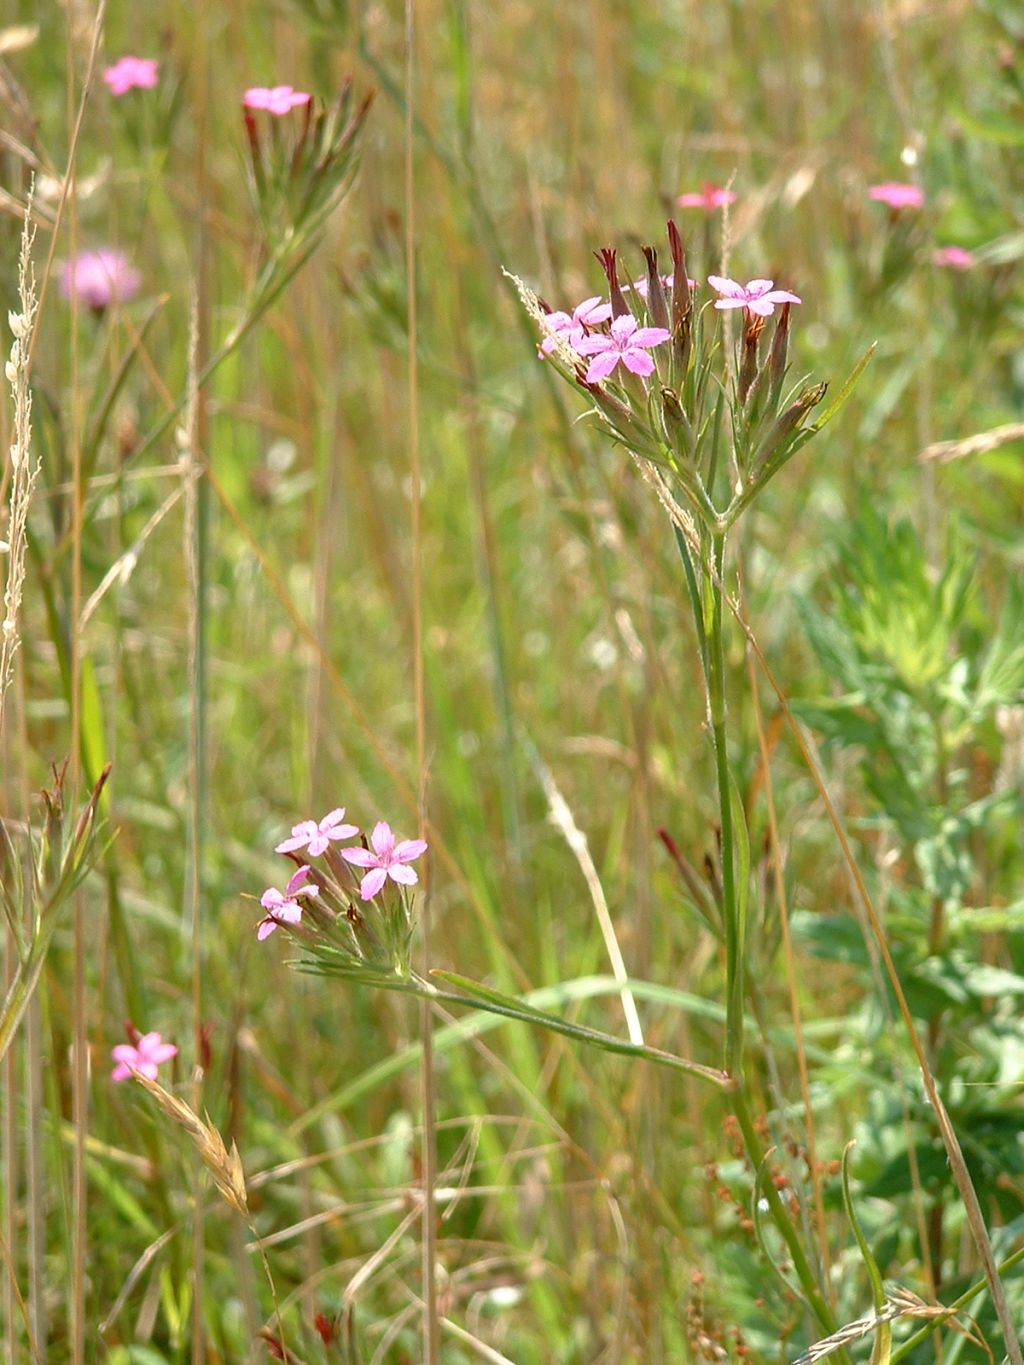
(224, 1166)
(562, 818)
(945, 452)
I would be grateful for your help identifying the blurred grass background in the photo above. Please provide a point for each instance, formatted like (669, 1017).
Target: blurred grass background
(591, 1224)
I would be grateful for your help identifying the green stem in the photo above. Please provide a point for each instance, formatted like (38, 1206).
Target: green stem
(717, 712)
(732, 915)
(781, 1219)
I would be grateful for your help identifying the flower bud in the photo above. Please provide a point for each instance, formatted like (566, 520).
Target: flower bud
(785, 425)
(682, 301)
(780, 351)
(677, 424)
(748, 364)
(657, 304)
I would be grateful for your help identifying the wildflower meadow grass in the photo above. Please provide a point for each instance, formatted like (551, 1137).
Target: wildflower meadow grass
(512, 683)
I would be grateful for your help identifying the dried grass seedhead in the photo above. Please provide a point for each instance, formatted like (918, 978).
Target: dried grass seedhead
(225, 1166)
(24, 469)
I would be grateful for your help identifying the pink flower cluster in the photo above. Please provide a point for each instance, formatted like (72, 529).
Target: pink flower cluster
(592, 333)
(102, 277)
(380, 858)
(625, 341)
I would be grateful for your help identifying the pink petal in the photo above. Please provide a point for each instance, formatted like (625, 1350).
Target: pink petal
(297, 881)
(729, 288)
(360, 857)
(759, 286)
(300, 836)
(382, 838)
(782, 296)
(595, 344)
(623, 327)
(592, 312)
(639, 362)
(731, 303)
(764, 308)
(650, 336)
(121, 1072)
(290, 912)
(602, 365)
(163, 1053)
(271, 899)
(124, 1052)
(265, 928)
(398, 872)
(372, 883)
(409, 849)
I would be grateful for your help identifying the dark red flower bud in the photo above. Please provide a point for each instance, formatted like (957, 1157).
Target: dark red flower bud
(607, 256)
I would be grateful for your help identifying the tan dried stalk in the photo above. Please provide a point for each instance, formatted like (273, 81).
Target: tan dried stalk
(24, 469)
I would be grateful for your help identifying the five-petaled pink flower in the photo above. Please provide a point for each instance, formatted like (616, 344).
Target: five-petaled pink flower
(709, 197)
(276, 99)
(131, 73)
(144, 1057)
(627, 342)
(956, 257)
(99, 278)
(898, 195)
(283, 907)
(387, 859)
(572, 328)
(757, 296)
(316, 838)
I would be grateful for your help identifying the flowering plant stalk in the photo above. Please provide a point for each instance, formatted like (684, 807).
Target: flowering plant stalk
(297, 179)
(709, 422)
(352, 912)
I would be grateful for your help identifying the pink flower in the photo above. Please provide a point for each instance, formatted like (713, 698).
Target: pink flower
(147, 1054)
(898, 195)
(709, 197)
(277, 99)
(590, 313)
(99, 278)
(955, 257)
(316, 838)
(757, 296)
(388, 859)
(283, 907)
(131, 73)
(640, 285)
(627, 342)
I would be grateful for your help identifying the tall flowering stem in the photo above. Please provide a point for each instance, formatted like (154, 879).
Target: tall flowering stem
(709, 433)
